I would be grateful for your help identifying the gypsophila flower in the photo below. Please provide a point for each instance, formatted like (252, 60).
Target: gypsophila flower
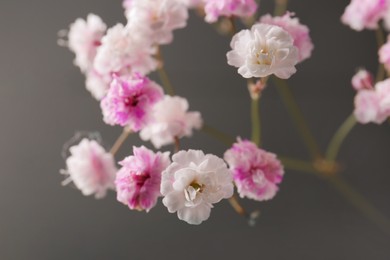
(298, 31)
(90, 168)
(156, 20)
(193, 183)
(363, 79)
(97, 84)
(384, 54)
(256, 172)
(170, 120)
(240, 8)
(84, 38)
(138, 181)
(364, 14)
(123, 50)
(262, 51)
(129, 101)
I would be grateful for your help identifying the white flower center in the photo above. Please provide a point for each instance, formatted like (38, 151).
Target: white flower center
(191, 193)
(264, 57)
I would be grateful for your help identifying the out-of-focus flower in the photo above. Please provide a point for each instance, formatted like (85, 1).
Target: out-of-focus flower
(122, 50)
(363, 79)
(97, 84)
(240, 8)
(383, 91)
(84, 38)
(192, 3)
(262, 51)
(364, 14)
(298, 31)
(256, 172)
(384, 54)
(156, 20)
(193, 183)
(170, 120)
(129, 101)
(90, 168)
(138, 181)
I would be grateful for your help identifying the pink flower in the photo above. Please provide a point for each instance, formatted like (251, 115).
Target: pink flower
(91, 168)
(156, 20)
(367, 107)
(262, 51)
(170, 120)
(193, 183)
(364, 14)
(298, 31)
(216, 8)
(97, 84)
(256, 172)
(363, 80)
(384, 54)
(138, 181)
(122, 50)
(383, 91)
(84, 38)
(129, 101)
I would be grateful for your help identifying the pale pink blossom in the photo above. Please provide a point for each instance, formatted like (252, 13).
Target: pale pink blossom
(129, 101)
(382, 89)
(171, 120)
(123, 50)
(240, 8)
(363, 79)
(90, 168)
(97, 84)
(364, 14)
(384, 54)
(193, 183)
(84, 38)
(298, 31)
(256, 172)
(156, 20)
(367, 107)
(192, 3)
(262, 51)
(138, 181)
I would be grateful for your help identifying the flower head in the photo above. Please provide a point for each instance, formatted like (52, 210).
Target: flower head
(216, 8)
(84, 38)
(170, 120)
(256, 172)
(97, 84)
(129, 101)
(363, 79)
(123, 50)
(193, 183)
(138, 181)
(91, 168)
(156, 20)
(364, 14)
(298, 31)
(384, 54)
(262, 51)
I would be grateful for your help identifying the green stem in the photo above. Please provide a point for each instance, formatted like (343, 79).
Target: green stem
(120, 141)
(166, 83)
(280, 7)
(297, 165)
(219, 135)
(298, 119)
(339, 137)
(361, 203)
(256, 126)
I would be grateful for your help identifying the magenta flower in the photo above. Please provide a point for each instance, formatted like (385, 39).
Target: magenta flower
(256, 172)
(364, 14)
(129, 101)
(216, 8)
(363, 79)
(138, 181)
(298, 31)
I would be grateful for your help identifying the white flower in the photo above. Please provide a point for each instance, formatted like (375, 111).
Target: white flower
(122, 50)
(193, 183)
(156, 19)
(97, 84)
(170, 120)
(84, 38)
(91, 168)
(262, 51)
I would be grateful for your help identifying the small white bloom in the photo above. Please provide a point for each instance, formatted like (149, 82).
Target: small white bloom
(193, 183)
(262, 51)
(170, 119)
(97, 84)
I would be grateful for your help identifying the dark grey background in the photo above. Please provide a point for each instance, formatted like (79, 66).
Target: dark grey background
(43, 102)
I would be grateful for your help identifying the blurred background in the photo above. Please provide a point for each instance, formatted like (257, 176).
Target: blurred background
(43, 102)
